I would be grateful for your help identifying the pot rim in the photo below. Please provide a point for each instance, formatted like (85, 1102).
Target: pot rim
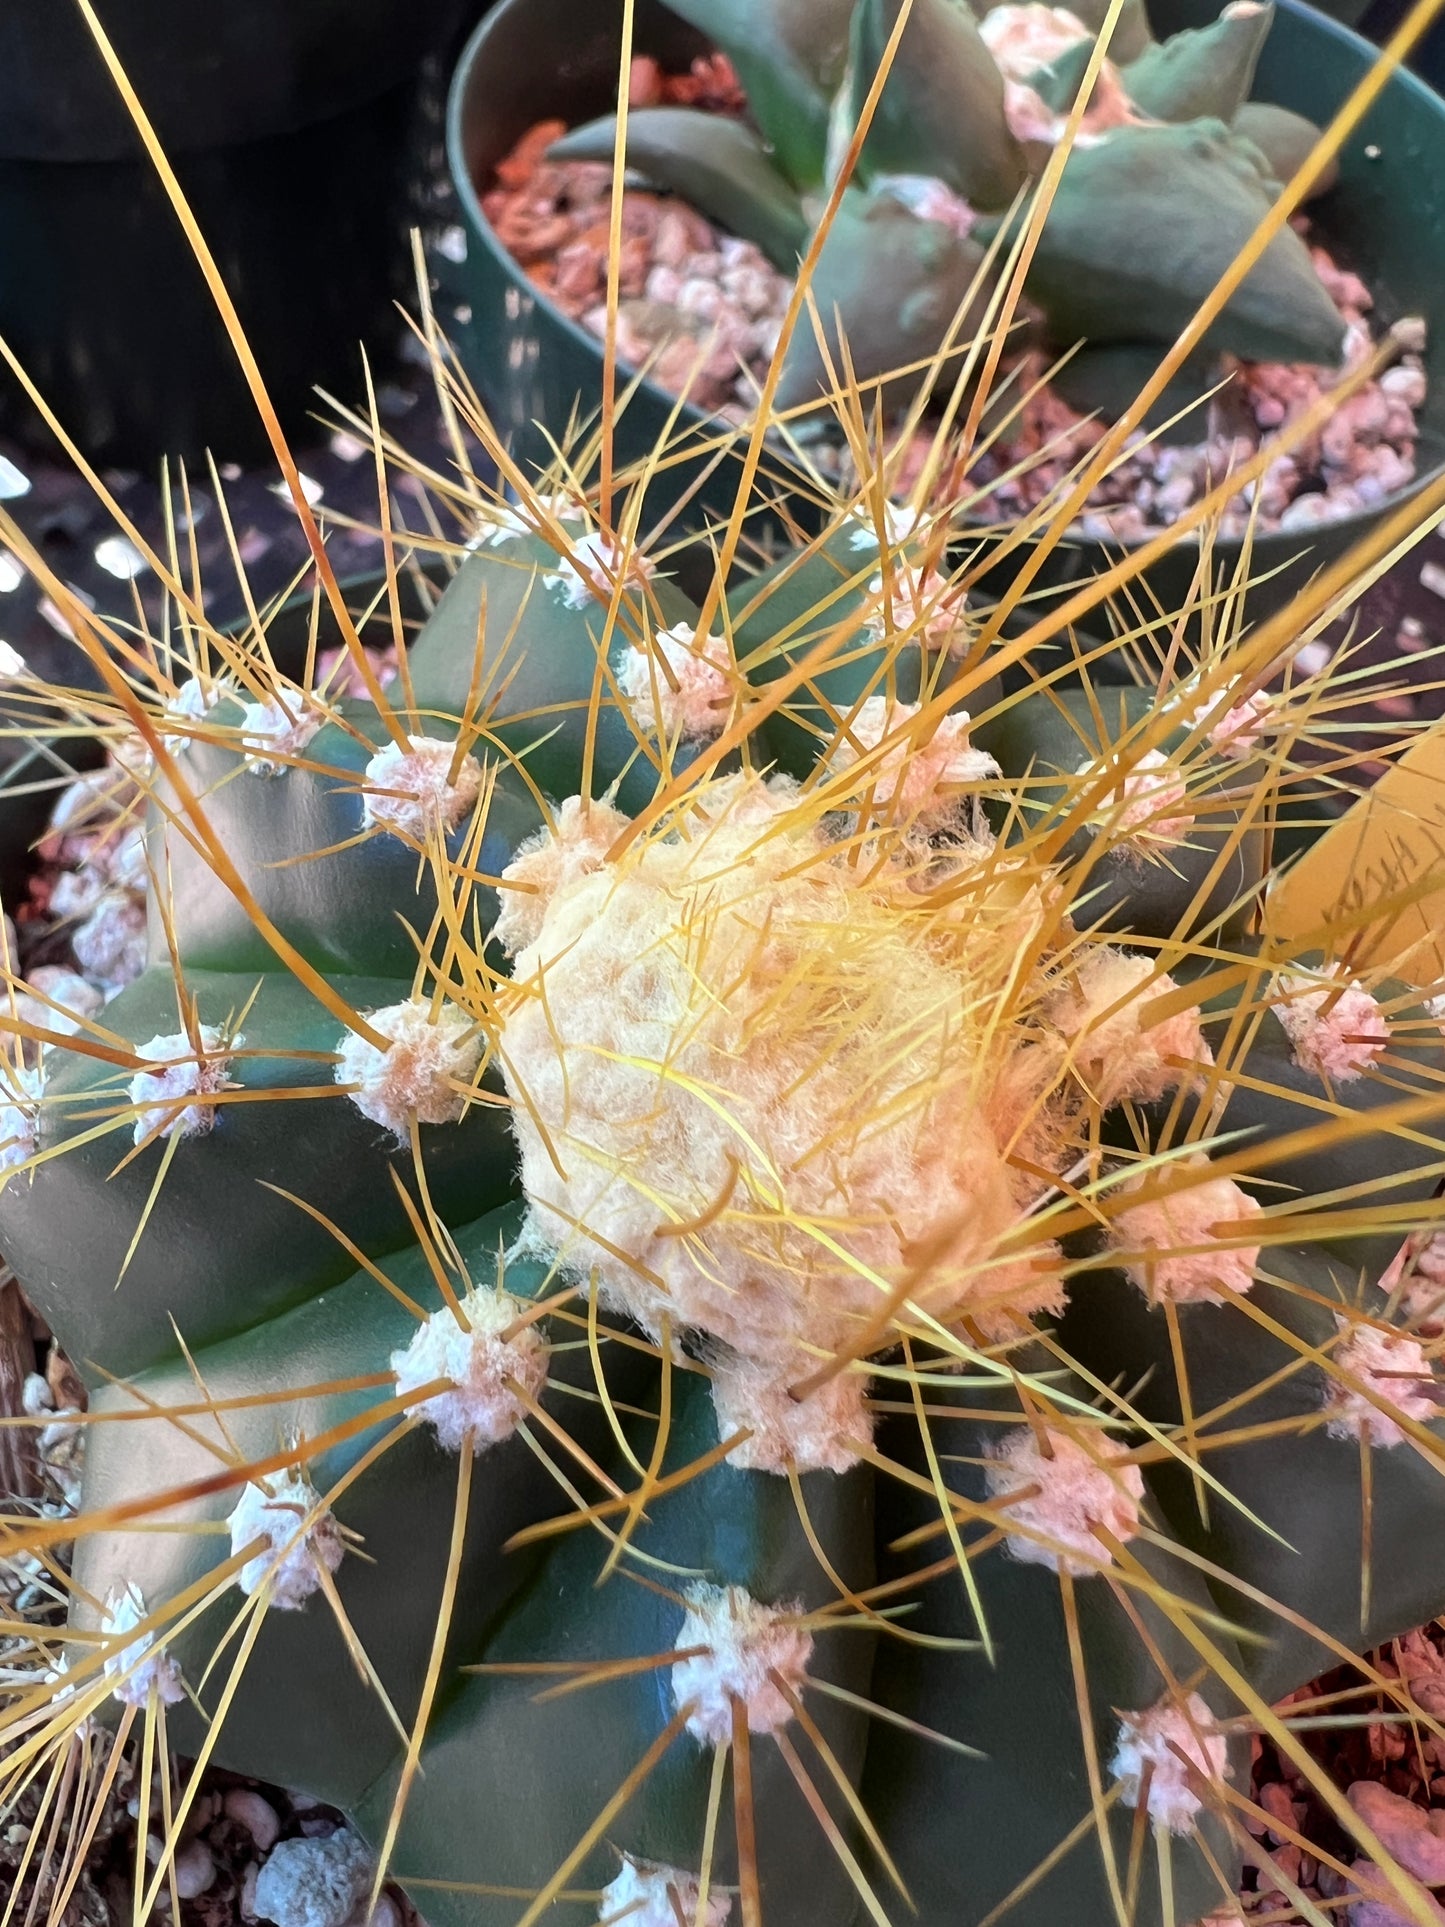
(1344, 530)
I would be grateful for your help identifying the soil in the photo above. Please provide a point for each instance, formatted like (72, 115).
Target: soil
(700, 308)
(701, 311)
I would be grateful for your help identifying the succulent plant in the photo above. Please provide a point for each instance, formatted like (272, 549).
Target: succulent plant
(720, 1277)
(1172, 169)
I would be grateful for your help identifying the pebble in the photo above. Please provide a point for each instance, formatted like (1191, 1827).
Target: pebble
(1277, 1803)
(1410, 635)
(195, 1870)
(701, 310)
(1413, 1835)
(385, 1914)
(249, 1810)
(1398, 708)
(314, 1883)
(1311, 657)
(1379, 1913)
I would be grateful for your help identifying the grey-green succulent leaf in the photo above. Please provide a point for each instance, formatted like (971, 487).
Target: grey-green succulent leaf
(1144, 223)
(1285, 139)
(941, 112)
(1058, 84)
(896, 282)
(1105, 380)
(717, 164)
(1204, 72)
(790, 56)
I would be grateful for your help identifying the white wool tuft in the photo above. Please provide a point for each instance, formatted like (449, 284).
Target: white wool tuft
(292, 1558)
(416, 1075)
(1176, 1746)
(1335, 1028)
(1100, 1011)
(931, 200)
(182, 1074)
(144, 1663)
(1077, 1489)
(1166, 1228)
(1148, 803)
(922, 776)
(746, 1642)
(925, 604)
(59, 1000)
(1239, 731)
(110, 945)
(597, 562)
(691, 696)
(826, 1431)
(315, 1883)
(482, 1406)
(411, 791)
(272, 731)
(649, 1896)
(1242, 727)
(643, 1895)
(191, 704)
(1395, 1369)
(900, 522)
(21, 1090)
(549, 860)
(818, 1126)
(500, 522)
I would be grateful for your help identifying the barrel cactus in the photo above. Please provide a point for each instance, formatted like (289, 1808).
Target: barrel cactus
(1171, 169)
(721, 1279)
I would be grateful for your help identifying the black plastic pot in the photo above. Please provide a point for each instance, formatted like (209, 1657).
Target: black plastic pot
(1386, 219)
(1382, 17)
(296, 128)
(206, 75)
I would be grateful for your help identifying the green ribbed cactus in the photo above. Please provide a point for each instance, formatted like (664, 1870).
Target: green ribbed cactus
(719, 1278)
(1172, 169)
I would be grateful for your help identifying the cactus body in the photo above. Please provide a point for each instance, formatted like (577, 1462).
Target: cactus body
(601, 1242)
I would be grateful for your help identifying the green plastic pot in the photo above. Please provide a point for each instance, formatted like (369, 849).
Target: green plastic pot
(534, 366)
(1385, 219)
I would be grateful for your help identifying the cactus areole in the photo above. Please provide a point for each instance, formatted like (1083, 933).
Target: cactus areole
(716, 1276)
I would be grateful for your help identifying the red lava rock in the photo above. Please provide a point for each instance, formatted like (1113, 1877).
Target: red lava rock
(1287, 1859)
(1386, 1742)
(644, 82)
(712, 84)
(1413, 1835)
(699, 309)
(1277, 1803)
